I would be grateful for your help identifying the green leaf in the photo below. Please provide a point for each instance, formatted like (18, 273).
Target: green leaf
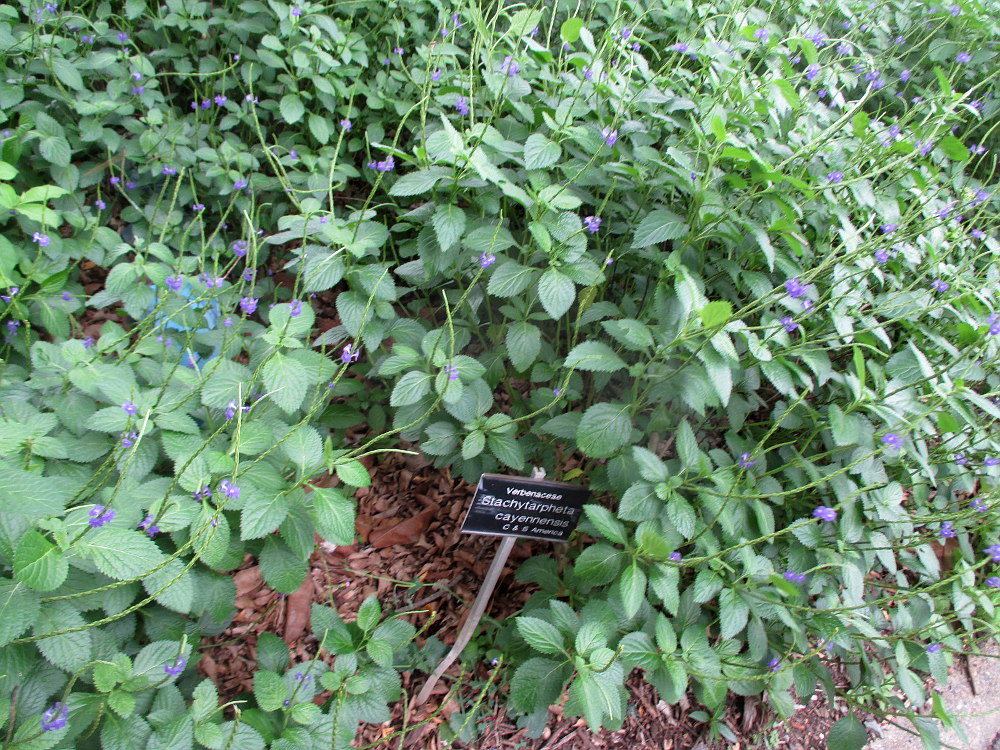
(536, 684)
(609, 527)
(320, 128)
(418, 182)
(449, 225)
(524, 341)
(39, 563)
(594, 356)
(333, 515)
(369, 613)
(412, 387)
(43, 194)
(353, 472)
(510, 279)
(733, 614)
(292, 108)
(507, 449)
(716, 313)
(556, 292)
(604, 430)
(272, 653)
(658, 226)
(540, 635)
(68, 651)
(953, 148)
(67, 73)
(262, 513)
(473, 444)
(632, 586)
(283, 322)
(847, 734)
(120, 553)
(598, 564)
(55, 150)
(540, 152)
(269, 690)
(19, 606)
(570, 29)
(286, 381)
(227, 381)
(282, 568)
(651, 468)
(681, 515)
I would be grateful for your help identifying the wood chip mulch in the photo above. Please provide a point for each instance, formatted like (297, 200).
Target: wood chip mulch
(412, 556)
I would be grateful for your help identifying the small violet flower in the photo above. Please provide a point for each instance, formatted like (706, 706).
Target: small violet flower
(100, 515)
(349, 355)
(824, 513)
(55, 718)
(176, 668)
(592, 223)
(892, 440)
(487, 259)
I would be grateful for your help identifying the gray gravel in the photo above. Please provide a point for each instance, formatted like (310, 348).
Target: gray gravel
(978, 713)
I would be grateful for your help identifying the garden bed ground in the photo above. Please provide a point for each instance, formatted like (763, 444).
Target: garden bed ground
(414, 558)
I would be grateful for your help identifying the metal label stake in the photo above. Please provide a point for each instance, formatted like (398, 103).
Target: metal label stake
(510, 507)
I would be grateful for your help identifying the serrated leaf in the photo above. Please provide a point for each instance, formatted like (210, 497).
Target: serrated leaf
(292, 108)
(524, 341)
(412, 387)
(540, 635)
(733, 614)
(510, 279)
(716, 313)
(39, 563)
(609, 527)
(263, 512)
(632, 586)
(570, 29)
(120, 553)
(333, 515)
(540, 152)
(594, 356)
(354, 473)
(67, 73)
(681, 515)
(449, 225)
(847, 734)
(286, 381)
(269, 690)
(282, 568)
(19, 607)
(414, 183)
(556, 292)
(604, 430)
(658, 226)
(651, 468)
(507, 449)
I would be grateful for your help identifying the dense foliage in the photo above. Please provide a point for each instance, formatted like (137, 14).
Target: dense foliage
(739, 260)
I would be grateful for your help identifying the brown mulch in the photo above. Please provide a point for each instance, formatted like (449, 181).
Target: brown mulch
(412, 556)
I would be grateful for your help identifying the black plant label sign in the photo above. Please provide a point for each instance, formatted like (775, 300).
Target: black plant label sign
(530, 508)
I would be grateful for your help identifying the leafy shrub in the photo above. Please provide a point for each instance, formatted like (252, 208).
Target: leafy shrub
(738, 264)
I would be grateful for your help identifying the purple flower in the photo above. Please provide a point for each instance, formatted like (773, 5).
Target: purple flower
(138, 90)
(452, 372)
(793, 577)
(994, 552)
(168, 170)
(981, 196)
(609, 136)
(487, 259)
(174, 282)
(248, 275)
(978, 234)
(762, 35)
(197, 206)
(593, 223)
(933, 648)
(904, 76)
(844, 48)
(889, 228)
(43, 240)
(148, 526)
(963, 57)
(229, 489)
(636, 46)
(230, 410)
(296, 12)
(990, 461)
(978, 504)
(675, 556)
(239, 184)
(775, 664)
(510, 66)
(295, 308)
(239, 248)
(129, 408)
(100, 515)
(346, 125)
(248, 305)
(386, 165)
(87, 39)
(130, 185)
(55, 718)
(882, 255)
(462, 105)
(795, 288)
(436, 75)
(350, 354)
(812, 71)
(817, 38)
(824, 513)
(203, 494)
(176, 668)
(789, 324)
(128, 439)
(960, 459)
(122, 37)
(835, 177)
(745, 462)
(940, 286)
(948, 530)
(892, 440)
(100, 205)
(250, 98)
(88, 342)
(954, 9)
(680, 47)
